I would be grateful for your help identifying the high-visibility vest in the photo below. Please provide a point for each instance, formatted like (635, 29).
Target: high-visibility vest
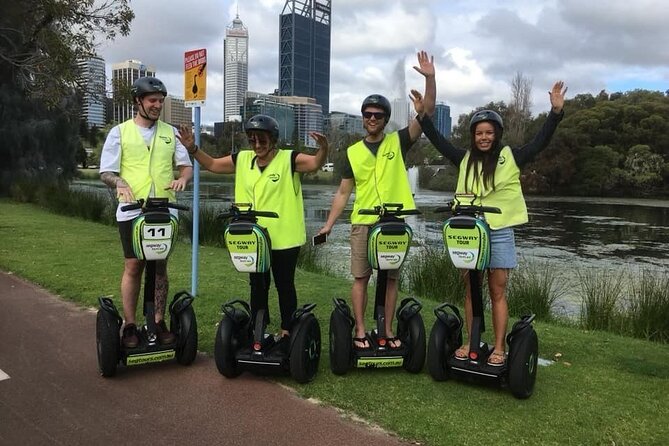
(275, 189)
(507, 194)
(379, 179)
(146, 168)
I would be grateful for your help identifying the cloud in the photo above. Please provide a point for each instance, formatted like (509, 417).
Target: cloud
(478, 46)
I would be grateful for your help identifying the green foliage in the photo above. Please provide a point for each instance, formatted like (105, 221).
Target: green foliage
(40, 43)
(597, 169)
(647, 312)
(431, 274)
(611, 144)
(534, 288)
(601, 294)
(41, 40)
(211, 226)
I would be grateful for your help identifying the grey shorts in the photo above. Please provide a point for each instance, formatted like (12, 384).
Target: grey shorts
(502, 249)
(360, 266)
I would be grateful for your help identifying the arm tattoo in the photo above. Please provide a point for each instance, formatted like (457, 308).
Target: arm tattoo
(112, 180)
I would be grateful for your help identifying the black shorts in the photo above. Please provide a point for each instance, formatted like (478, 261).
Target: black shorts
(125, 229)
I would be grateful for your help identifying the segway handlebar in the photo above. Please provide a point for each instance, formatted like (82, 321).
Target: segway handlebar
(458, 208)
(154, 203)
(237, 211)
(389, 209)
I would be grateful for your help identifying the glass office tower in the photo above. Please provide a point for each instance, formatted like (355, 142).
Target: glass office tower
(304, 50)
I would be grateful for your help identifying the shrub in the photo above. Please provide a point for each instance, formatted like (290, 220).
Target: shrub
(533, 289)
(647, 312)
(601, 294)
(431, 274)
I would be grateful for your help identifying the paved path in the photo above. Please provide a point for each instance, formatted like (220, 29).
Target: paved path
(51, 392)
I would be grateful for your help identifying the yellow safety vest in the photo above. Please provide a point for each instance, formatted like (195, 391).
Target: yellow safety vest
(275, 189)
(148, 167)
(379, 179)
(507, 196)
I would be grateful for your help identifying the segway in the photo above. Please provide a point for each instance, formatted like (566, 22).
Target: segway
(154, 233)
(388, 245)
(242, 344)
(467, 239)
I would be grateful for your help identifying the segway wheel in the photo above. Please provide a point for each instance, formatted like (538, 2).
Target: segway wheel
(108, 342)
(415, 337)
(186, 331)
(341, 341)
(439, 348)
(225, 348)
(522, 363)
(306, 349)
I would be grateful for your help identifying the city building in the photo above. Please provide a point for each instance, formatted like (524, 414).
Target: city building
(271, 105)
(235, 68)
(175, 112)
(304, 50)
(399, 114)
(92, 80)
(123, 75)
(344, 123)
(442, 119)
(308, 118)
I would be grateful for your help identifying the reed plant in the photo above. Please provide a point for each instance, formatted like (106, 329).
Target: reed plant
(534, 288)
(212, 228)
(647, 311)
(310, 259)
(431, 274)
(601, 298)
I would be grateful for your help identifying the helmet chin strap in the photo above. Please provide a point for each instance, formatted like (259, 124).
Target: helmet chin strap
(143, 113)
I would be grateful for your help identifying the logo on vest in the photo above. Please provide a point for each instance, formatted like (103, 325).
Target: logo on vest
(166, 139)
(274, 177)
(502, 160)
(389, 155)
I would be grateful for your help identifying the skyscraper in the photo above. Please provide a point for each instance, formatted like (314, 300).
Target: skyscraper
(442, 119)
(235, 68)
(92, 79)
(123, 75)
(304, 50)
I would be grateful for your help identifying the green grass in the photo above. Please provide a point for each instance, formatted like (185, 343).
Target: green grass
(605, 389)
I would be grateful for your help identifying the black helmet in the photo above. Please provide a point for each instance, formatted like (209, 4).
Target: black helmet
(486, 115)
(263, 123)
(147, 85)
(376, 100)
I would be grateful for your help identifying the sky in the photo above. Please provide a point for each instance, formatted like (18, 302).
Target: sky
(478, 47)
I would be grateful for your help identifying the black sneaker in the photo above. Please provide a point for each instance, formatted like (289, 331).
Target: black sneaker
(164, 335)
(130, 338)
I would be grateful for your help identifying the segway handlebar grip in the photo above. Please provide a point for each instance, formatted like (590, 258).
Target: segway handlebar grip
(133, 206)
(181, 207)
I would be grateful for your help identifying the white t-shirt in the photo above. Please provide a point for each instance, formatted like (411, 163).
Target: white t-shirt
(110, 160)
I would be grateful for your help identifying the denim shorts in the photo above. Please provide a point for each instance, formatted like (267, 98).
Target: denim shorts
(502, 249)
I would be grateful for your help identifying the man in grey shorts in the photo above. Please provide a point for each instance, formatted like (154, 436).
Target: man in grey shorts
(375, 168)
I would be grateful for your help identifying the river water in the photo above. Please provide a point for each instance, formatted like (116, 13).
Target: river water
(567, 232)
(599, 232)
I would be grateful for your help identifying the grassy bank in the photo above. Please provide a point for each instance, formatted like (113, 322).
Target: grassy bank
(604, 389)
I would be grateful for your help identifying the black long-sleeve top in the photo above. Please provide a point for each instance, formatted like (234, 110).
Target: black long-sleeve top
(523, 154)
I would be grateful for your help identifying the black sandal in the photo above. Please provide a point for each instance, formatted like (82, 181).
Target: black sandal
(364, 341)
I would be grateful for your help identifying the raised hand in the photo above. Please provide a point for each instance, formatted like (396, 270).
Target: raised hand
(557, 96)
(425, 64)
(417, 99)
(186, 137)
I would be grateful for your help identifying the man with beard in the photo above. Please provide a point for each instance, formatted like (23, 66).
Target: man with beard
(136, 161)
(375, 168)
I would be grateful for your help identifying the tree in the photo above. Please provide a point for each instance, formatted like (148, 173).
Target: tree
(40, 43)
(519, 113)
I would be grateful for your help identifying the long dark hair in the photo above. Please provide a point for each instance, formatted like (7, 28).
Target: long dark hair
(487, 159)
